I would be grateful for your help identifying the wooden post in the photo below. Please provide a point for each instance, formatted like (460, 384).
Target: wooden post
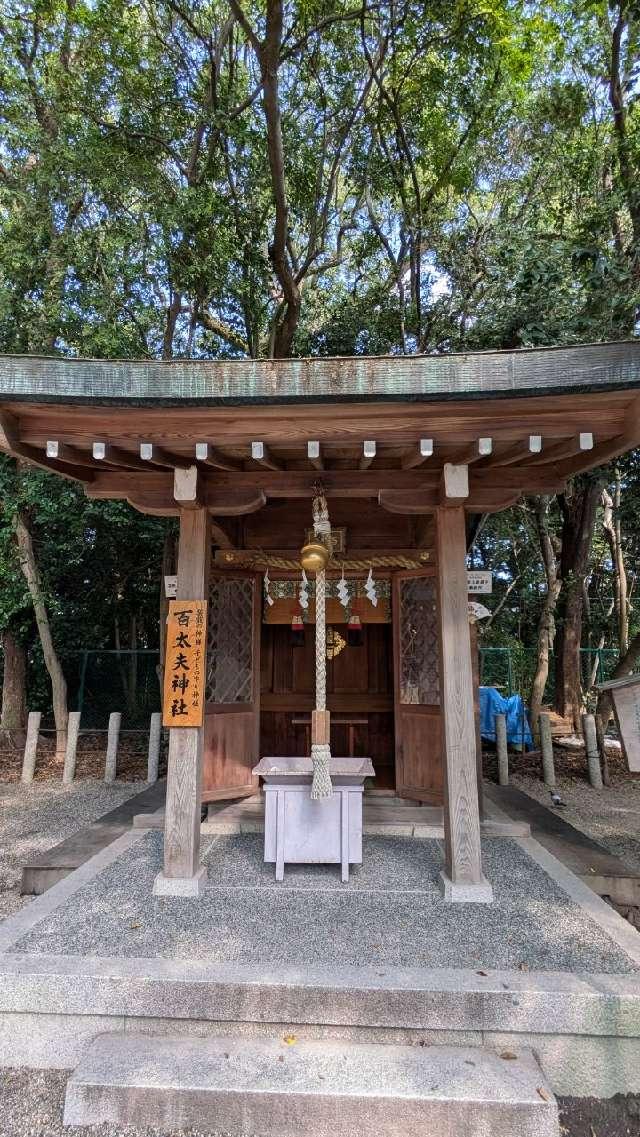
(502, 750)
(546, 746)
(31, 747)
(153, 753)
(463, 878)
(111, 759)
(183, 875)
(73, 730)
(593, 753)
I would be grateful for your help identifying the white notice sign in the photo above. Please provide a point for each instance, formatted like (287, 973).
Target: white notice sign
(479, 582)
(171, 587)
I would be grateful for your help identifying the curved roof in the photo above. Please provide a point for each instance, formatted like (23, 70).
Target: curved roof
(424, 378)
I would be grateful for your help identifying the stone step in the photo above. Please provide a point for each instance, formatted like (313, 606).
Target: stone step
(286, 1087)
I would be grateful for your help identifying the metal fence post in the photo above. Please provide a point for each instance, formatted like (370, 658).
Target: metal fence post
(31, 747)
(153, 756)
(111, 760)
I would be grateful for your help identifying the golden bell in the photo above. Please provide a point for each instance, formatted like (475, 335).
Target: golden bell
(314, 556)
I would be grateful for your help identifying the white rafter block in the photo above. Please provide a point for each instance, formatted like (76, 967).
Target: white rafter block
(257, 451)
(146, 451)
(53, 449)
(456, 480)
(99, 451)
(313, 449)
(535, 443)
(202, 451)
(369, 448)
(586, 441)
(426, 447)
(485, 446)
(185, 484)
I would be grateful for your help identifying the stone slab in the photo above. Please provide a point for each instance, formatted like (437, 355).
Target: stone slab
(521, 1002)
(184, 886)
(479, 892)
(51, 866)
(309, 1088)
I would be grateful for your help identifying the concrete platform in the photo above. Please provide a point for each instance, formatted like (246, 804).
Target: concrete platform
(382, 816)
(46, 869)
(606, 874)
(294, 1088)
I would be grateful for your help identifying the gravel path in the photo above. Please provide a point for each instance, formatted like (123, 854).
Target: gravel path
(391, 912)
(610, 816)
(33, 818)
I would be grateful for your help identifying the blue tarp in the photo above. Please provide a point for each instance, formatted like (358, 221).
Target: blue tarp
(492, 703)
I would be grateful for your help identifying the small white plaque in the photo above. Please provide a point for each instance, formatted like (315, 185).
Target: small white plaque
(171, 587)
(479, 582)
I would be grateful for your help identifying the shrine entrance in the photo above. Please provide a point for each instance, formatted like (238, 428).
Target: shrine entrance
(382, 678)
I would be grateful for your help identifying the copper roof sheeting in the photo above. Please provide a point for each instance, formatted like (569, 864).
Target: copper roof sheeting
(500, 374)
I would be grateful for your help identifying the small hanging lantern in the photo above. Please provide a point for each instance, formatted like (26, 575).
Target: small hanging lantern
(355, 634)
(297, 632)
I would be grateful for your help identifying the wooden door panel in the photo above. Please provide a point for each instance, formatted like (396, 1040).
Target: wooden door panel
(232, 714)
(418, 726)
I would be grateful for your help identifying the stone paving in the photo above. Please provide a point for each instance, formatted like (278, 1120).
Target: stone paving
(390, 913)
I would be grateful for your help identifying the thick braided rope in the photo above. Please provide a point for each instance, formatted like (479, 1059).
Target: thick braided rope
(321, 753)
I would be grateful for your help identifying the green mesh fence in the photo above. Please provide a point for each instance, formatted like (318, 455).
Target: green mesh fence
(125, 681)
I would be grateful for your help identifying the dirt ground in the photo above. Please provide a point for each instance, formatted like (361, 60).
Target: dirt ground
(593, 1117)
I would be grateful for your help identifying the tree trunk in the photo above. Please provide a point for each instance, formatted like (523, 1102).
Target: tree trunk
(13, 722)
(578, 507)
(613, 537)
(546, 623)
(169, 563)
(623, 668)
(29, 567)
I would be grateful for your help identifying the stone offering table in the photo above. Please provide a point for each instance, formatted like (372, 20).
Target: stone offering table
(298, 830)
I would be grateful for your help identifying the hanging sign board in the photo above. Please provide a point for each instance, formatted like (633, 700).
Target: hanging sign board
(479, 583)
(184, 663)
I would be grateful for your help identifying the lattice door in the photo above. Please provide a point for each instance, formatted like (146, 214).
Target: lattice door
(230, 654)
(419, 661)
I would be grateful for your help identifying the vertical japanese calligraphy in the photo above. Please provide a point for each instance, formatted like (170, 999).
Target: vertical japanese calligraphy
(184, 665)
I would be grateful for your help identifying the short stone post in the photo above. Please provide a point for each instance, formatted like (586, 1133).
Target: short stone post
(115, 718)
(31, 747)
(593, 754)
(153, 755)
(546, 746)
(73, 730)
(502, 750)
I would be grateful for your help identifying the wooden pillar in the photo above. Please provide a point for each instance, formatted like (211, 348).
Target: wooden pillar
(183, 874)
(462, 879)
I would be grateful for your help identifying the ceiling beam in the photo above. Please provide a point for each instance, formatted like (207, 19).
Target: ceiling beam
(156, 455)
(10, 442)
(473, 453)
(260, 453)
(210, 456)
(520, 452)
(117, 456)
(314, 454)
(416, 456)
(368, 454)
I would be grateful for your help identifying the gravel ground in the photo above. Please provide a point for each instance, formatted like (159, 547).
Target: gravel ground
(391, 913)
(610, 816)
(32, 1103)
(33, 818)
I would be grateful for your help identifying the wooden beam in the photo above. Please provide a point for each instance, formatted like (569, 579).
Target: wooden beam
(314, 455)
(416, 457)
(463, 879)
(599, 455)
(11, 443)
(219, 536)
(117, 456)
(368, 454)
(455, 484)
(157, 456)
(520, 452)
(187, 490)
(211, 456)
(62, 452)
(565, 449)
(473, 453)
(260, 453)
(183, 874)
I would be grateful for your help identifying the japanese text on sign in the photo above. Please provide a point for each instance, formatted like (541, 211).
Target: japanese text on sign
(184, 666)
